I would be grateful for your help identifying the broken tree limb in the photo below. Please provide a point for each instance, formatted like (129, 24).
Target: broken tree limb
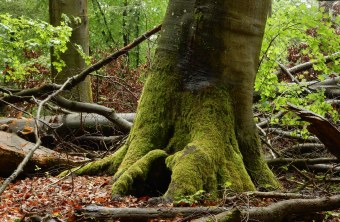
(274, 212)
(65, 124)
(30, 153)
(26, 95)
(142, 214)
(284, 161)
(13, 149)
(110, 114)
(309, 65)
(278, 211)
(291, 135)
(303, 148)
(273, 194)
(321, 127)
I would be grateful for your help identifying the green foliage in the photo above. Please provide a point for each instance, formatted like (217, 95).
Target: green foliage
(297, 33)
(190, 200)
(24, 43)
(124, 21)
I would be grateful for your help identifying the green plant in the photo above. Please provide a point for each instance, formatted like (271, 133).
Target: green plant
(25, 46)
(190, 200)
(296, 33)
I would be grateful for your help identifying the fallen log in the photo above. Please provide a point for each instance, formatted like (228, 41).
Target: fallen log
(13, 149)
(274, 212)
(66, 124)
(99, 213)
(278, 211)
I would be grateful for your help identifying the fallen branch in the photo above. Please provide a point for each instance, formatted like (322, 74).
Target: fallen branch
(142, 214)
(26, 95)
(309, 65)
(303, 147)
(321, 127)
(110, 114)
(29, 155)
(278, 195)
(274, 212)
(277, 211)
(291, 135)
(324, 168)
(284, 161)
(65, 124)
(287, 72)
(267, 121)
(13, 149)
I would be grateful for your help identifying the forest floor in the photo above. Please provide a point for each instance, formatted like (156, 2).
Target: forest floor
(55, 198)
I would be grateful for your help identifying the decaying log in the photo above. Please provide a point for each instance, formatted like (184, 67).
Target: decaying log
(274, 212)
(65, 124)
(320, 127)
(13, 149)
(99, 213)
(110, 114)
(278, 211)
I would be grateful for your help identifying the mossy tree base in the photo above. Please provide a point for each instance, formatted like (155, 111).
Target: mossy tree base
(194, 128)
(185, 145)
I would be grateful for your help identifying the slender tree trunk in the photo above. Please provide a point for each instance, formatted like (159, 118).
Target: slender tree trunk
(75, 10)
(194, 128)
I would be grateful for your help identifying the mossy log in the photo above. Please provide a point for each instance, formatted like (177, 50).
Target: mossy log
(194, 127)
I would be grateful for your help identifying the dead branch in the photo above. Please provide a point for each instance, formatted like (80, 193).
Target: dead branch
(291, 135)
(284, 161)
(277, 211)
(65, 124)
(110, 114)
(142, 214)
(324, 168)
(267, 121)
(274, 212)
(309, 65)
(29, 155)
(26, 95)
(13, 149)
(303, 147)
(321, 127)
(278, 195)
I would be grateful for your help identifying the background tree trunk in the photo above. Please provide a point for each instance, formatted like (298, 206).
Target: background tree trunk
(75, 10)
(194, 128)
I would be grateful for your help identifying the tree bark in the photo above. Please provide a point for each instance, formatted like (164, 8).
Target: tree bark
(194, 128)
(74, 62)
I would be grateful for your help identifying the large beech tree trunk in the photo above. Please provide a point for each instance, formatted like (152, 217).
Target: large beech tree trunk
(194, 127)
(76, 10)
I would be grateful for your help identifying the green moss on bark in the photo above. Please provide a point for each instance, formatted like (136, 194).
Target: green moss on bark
(137, 173)
(195, 111)
(211, 156)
